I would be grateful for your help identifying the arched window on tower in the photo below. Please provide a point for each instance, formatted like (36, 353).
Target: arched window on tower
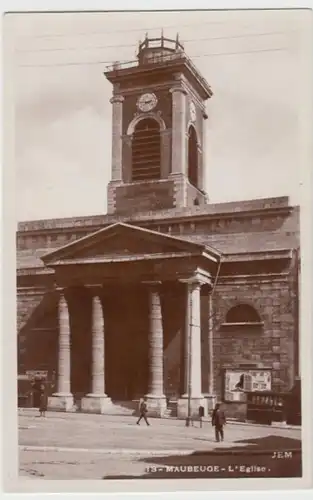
(192, 156)
(146, 151)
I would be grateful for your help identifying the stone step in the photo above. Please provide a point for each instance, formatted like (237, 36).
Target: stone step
(126, 407)
(171, 410)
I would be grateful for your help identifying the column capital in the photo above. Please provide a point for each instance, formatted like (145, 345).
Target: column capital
(166, 132)
(178, 88)
(95, 290)
(152, 282)
(62, 301)
(193, 282)
(117, 98)
(153, 285)
(127, 138)
(199, 277)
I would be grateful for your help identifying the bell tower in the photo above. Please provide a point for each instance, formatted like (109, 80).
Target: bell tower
(158, 114)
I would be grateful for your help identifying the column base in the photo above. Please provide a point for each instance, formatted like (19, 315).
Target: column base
(156, 405)
(195, 402)
(95, 403)
(211, 400)
(61, 401)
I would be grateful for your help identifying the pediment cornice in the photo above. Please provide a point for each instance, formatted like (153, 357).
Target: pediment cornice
(126, 242)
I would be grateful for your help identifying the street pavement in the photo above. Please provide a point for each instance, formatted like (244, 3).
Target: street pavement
(81, 446)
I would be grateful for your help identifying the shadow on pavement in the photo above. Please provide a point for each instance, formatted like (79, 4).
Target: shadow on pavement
(257, 445)
(270, 456)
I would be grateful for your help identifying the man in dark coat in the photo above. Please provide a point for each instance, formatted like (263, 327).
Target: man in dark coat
(218, 421)
(143, 410)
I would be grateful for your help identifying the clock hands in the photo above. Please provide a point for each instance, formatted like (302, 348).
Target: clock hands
(147, 101)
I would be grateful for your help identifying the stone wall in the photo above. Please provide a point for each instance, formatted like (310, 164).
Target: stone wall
(258, 231)
(212, 209)
(271, 344)
(27, 303)
(38, 332)
(194, 194)
(148, 195)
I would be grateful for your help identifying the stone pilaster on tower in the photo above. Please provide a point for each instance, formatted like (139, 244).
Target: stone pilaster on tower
(178, 130)
(117, 130)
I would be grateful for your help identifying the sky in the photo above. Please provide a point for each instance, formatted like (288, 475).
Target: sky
(62, 113)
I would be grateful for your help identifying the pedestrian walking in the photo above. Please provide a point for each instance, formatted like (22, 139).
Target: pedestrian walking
(218, 421)
(143, 410)
(42, 400)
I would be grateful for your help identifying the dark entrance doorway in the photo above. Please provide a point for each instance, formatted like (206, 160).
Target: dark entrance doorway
(126, 332)
(79, 301)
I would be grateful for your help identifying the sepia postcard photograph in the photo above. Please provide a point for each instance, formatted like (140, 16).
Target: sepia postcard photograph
(160, 164)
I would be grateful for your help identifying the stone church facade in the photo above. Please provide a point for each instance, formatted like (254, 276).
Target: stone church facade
(166, 291)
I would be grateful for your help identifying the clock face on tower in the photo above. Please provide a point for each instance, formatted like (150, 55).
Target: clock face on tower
(146, 102)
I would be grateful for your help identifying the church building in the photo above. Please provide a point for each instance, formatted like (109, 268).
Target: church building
(166, 296)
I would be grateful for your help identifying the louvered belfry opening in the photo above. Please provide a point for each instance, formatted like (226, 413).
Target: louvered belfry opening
(146, 151)
(192, 157)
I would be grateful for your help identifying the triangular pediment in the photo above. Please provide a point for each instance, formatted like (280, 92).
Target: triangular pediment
(122, 240)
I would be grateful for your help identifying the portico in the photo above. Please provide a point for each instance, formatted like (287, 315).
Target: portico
(124, 271)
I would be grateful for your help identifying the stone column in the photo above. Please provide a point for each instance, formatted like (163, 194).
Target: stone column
(195, 341)
(98, 383)
(193, 397)
(156, 400)
(97, 401)
(179, 145)
(187, 343)
(117, 130)
(63, 398)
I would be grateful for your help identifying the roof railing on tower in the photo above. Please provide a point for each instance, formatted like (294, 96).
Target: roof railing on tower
(159, 50)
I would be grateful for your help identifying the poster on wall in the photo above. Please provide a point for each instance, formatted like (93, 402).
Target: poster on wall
(237, 383)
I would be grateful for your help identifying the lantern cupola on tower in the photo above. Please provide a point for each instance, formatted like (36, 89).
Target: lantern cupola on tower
(150, 50)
